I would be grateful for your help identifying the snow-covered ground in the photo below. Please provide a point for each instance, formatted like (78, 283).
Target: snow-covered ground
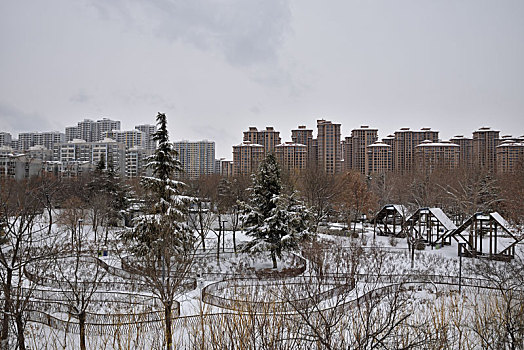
(111, 291)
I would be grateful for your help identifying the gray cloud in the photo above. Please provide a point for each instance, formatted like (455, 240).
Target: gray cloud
(151, 99)
(80, 97)
(12, 118)
(245, 32)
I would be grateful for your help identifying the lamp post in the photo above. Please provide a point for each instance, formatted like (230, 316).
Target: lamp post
(224, 235)
(80, 221)
(461, 250)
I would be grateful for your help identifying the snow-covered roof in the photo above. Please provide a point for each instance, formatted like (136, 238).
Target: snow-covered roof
(501, 221)
(460, 137)
(37, 148)
(291, 144)
(379, 144)
(364, 127)
(443, 218)
(428, 143)
(484, 129)
(250, 144)
(421, 130)
(511, 143)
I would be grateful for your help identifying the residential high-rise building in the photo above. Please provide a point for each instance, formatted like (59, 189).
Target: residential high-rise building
(92, 152)
(76, 150)
(112, 152)
(40, 152)
(347, 153)
(196, 158)
(328, 146)
(104, 125)
(130, 138)
(485, 141)
(226, 167)
(304, 136)
(379, 156)
(360, 139)
(269, 138)
(47, 139)
(390, 140)
(26, 140)
(5, 139)
(291, 156)
(87, 130)
(466, 150)
(6, 150)
(91, 131)
(72, 133)
(247, 157)
(404, 146)
(509, 156)
(19, 166)
(136, 161)
(148, 131)
(437, 155)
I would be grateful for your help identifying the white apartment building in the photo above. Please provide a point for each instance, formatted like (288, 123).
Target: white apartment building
(130, 138)
(197, 158)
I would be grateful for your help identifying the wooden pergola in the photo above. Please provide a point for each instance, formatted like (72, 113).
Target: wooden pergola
(486, 235)
(389, 220)
(430, 226)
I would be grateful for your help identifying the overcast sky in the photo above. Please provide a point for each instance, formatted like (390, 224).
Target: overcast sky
(216, 67)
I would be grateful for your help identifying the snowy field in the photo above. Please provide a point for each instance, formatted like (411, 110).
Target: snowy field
(336, 284)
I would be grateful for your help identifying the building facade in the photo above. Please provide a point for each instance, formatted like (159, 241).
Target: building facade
(379, 155)
(136, 161)
(329, 149)
(91, 131)
(247, 157)
(304, 136)
(196, 158)
(5, 139)
(269, 138)
(466, 150)
(485, 141)
(130, 138)
(292, 156)
(148, 131)
(81, 151)
(404, 146)
(509, 156)
(360, 139)
(430, 156)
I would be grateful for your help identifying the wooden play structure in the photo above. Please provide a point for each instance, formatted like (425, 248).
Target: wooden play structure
(389, 220)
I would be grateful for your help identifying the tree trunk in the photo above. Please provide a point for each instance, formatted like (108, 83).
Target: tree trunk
(4, 339)
(201, 223)
(218, 246)
(82, 324)
(274, 258)
(107, 234)
(167, 316)
(20, 331)
(234, 240)
(50, 213)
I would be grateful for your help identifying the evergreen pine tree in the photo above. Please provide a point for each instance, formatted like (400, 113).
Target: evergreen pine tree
(276, 221)
(164, 225)
(161, 240)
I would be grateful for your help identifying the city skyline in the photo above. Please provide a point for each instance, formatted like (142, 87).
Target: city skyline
(286, 135)
(216, 68)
